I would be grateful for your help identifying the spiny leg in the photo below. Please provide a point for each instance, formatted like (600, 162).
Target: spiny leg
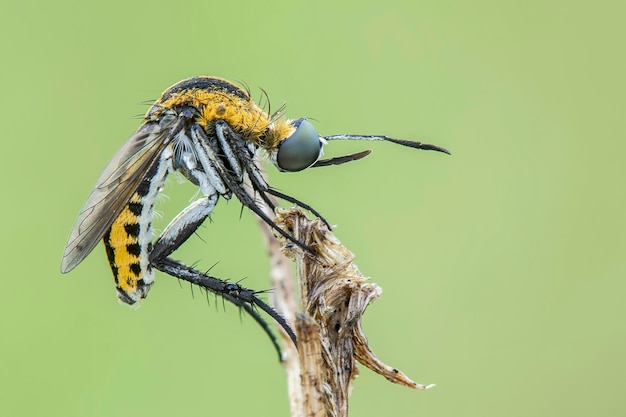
(182, 227)
(175, 234)
(256, 179)
(235, 293)
(297, 202)
(207, 153)
(248, 156)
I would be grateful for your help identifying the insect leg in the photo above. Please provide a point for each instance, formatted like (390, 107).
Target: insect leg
(256, 179)
(305, 206)
(195, 165)
(232, 292)
(206, 154)
(182, 227)
(175, 234)
(248, 157)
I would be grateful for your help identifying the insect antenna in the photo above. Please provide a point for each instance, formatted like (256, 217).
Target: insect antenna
(356, 156)
(408, 143)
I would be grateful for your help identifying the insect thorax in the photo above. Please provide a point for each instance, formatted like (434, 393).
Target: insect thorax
(211, 99)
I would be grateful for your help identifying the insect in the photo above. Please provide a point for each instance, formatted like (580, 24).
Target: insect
(210, 131)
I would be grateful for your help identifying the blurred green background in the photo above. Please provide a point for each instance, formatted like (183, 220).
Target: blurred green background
(502, 265)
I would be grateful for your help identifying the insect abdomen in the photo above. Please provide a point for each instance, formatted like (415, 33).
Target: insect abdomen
(127, 249)
(129, 239)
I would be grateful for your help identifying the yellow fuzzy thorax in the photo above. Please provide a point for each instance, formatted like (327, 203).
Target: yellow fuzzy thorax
(243, 116)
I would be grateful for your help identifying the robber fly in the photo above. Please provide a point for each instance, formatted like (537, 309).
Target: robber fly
(209, 130)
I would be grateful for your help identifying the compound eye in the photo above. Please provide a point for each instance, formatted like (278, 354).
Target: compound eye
(301, 149)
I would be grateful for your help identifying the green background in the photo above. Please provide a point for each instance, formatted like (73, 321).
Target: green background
(502, 265)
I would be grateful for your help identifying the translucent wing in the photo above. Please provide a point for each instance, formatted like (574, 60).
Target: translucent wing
(114, 188)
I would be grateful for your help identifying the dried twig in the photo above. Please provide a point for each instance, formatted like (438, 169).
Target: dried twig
(283, 298)
(333, 296)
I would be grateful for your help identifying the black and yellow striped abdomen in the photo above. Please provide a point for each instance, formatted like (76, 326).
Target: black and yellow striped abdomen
(129, 239)
(127, 255)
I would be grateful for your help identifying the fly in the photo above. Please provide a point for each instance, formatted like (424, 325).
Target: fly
(210, 131)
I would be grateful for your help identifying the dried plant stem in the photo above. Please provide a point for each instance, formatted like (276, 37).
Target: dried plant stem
(283, 299)
(333, 296)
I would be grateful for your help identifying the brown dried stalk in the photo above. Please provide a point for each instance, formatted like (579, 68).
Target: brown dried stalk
(333, 296)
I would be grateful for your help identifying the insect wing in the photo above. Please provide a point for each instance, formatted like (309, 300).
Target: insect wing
(113, 189)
